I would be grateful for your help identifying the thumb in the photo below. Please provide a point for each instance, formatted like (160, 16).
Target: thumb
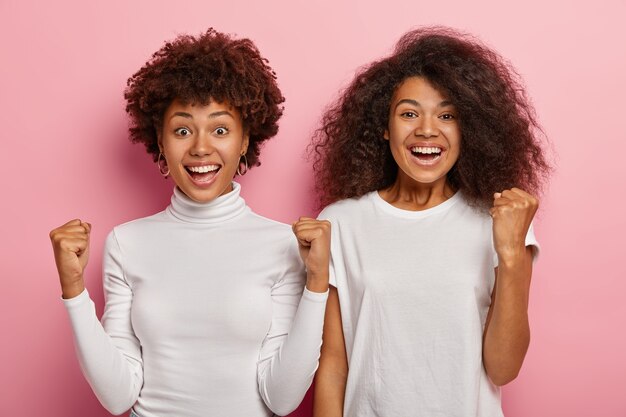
(86, 225)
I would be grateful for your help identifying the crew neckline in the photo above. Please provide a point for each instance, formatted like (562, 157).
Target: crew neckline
(413, 214)
(223, 208)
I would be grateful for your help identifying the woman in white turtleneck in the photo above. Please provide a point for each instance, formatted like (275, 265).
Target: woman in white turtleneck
(210, 308)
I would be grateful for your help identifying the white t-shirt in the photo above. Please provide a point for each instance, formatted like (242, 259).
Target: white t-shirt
(205, 315)
(414, 289)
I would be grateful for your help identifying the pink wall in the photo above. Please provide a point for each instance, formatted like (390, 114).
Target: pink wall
(65, 154)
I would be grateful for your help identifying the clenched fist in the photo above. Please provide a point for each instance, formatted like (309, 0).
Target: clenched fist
(512, 212)
(314, 244)
(70, 243)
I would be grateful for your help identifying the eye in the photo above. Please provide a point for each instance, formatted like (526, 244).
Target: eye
(409, 114)
(182, 131)
(448, 116)
(221, 131)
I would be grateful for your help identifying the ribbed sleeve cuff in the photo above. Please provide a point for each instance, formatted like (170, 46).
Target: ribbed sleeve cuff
(316, 297)
(81, 310)
(74, 302)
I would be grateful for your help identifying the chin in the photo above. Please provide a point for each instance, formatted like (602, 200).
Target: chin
(207, 195)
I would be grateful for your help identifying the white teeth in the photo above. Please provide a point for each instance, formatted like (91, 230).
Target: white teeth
(204, 169)
(425, 149)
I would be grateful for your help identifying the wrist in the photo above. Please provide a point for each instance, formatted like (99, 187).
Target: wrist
(512, 257)
(317, 282)
(72, 290)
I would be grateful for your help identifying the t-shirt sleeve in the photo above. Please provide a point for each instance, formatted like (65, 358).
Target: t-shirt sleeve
(531, 240)
(109, 353)
(291, 349)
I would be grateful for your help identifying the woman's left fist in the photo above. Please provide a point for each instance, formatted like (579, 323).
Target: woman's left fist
(314, 244)
(512, 212)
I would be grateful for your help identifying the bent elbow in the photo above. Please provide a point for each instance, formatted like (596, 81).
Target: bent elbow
(284, 404)
(116, 409)
(117, 406)
(502, 378)
(284, 409)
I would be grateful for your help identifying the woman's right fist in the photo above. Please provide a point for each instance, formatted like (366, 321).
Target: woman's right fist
(70, 243)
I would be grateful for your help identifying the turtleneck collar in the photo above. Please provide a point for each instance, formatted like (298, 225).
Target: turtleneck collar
(223, 208)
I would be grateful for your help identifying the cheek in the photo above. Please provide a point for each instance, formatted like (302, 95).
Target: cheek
(453, 134)
(397, 137)
(397, 152)
(174, 157)
(231, 151)
(171, 149)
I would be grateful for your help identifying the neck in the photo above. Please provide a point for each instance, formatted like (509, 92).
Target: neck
(223, 208)
(407, 194)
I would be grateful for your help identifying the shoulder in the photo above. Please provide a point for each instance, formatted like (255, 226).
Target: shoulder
(346, 208)
(273, 238)
(256, 221)
(268, 233)
(143, 226)
(142, 222)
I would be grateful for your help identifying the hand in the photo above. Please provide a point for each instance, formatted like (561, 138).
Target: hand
(512, 212)
(70, 243)
(314, 245)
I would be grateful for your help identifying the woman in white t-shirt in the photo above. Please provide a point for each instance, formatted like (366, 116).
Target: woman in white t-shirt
(206, 309)
(430, 161)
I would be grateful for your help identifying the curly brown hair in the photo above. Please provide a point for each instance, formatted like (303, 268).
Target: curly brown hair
(212, 66)
(501, 138)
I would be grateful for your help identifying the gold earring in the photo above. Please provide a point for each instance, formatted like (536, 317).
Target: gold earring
(245, 165)
(161, 163)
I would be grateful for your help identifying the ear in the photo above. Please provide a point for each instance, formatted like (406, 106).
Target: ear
(159, 133)
(245, 143)
(386, 134)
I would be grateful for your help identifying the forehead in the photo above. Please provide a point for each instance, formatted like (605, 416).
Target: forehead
(419, 89)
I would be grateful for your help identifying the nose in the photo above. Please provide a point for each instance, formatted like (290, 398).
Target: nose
(426, 128)
(201, 145)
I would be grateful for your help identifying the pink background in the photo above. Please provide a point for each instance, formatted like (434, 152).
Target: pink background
(65, 154)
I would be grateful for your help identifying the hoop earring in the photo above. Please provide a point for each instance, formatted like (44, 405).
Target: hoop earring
(245, 165)
(163, 162)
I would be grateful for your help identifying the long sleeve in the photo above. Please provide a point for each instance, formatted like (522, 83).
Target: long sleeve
(109, 353)
(290, 352)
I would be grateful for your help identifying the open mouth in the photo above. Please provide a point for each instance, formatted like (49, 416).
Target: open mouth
(203, 173)
(426, 154)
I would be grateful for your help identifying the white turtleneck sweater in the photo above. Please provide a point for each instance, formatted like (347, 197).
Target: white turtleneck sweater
(205, 315)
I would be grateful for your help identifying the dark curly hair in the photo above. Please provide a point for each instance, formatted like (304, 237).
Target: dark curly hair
(501, 138)
(212, 66)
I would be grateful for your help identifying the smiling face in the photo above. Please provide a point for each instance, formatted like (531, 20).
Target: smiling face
(423, 133)
(202, 146)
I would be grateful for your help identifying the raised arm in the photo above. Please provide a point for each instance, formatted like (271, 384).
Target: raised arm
(507, 331)
(111, 359)
(290, 353)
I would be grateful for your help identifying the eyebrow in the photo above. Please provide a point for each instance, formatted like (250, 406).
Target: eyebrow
(417, 104)
(182, 114)
(220, 113)
(211, 116)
